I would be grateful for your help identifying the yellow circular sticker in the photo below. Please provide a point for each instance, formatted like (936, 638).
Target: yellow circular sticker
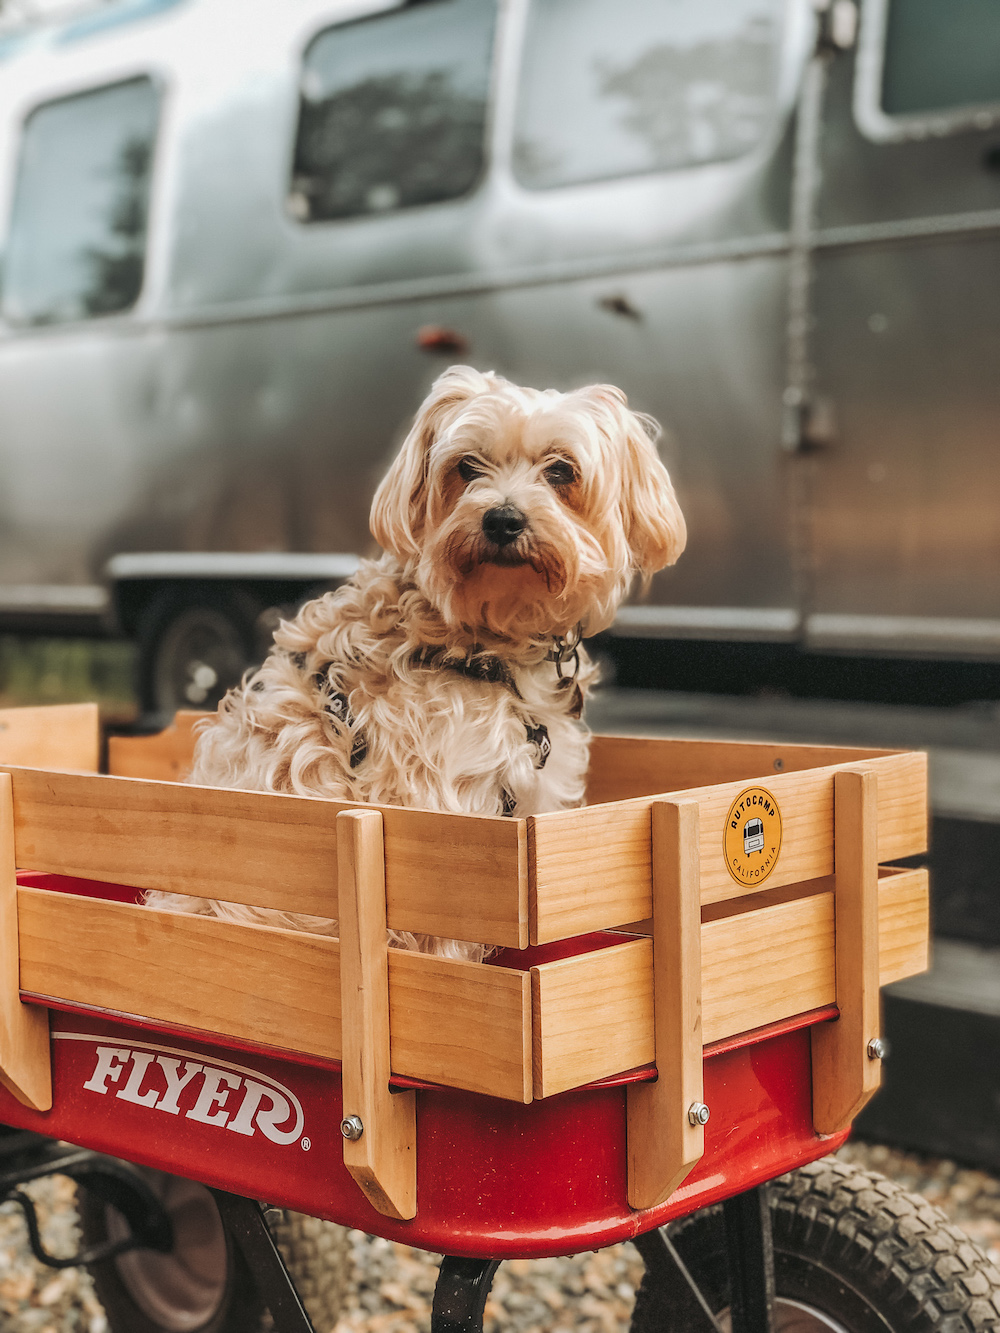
(752, 839)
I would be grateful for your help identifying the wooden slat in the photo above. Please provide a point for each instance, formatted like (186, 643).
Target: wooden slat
(277, 987)
(844, 1076)
(593, 1016)
(383, 1159)
(461, 1024)
(767, 965)
(25, 1056)
(663, 1144)
(457, 875)
(61, 736)
(757, 968)
(613, 843)
(624, 767)
(904, 925)
(164, 757)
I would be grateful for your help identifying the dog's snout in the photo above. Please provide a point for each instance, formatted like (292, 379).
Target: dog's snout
(503, 524)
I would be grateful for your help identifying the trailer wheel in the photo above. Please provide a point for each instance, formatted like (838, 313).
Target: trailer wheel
(853, 1253)
(202, 1286)
(193, 646)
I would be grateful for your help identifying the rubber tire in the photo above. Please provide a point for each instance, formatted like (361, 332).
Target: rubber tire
(318, 1256)
(222, 619)
(855, 1247)
(238, 1308)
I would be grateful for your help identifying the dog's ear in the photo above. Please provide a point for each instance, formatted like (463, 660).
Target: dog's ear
(399, 506)
(652, 521)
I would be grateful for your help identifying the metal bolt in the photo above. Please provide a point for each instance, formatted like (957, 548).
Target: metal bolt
(878, 1048)
(352, 1128)
(698, 1113)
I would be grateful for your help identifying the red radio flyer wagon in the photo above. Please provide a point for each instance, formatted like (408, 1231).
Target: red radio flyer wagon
(684, 1006)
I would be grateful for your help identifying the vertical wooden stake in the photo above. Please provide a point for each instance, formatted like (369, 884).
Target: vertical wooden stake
(383, 1160)
(844, 1076)
(663, 1144)
(25, 1054)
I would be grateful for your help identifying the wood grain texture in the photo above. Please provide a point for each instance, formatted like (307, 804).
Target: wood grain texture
(383, 1161)
(662, 1144)
(613, 843)
(61, 736)
(758, 967)
(904, 924)
(164, 757)
(461, 876)
(761, 966)
(593, 1016)
(624, 767)
(461, 1024)
(277, 987)
(843, 1075)
(25, 1055)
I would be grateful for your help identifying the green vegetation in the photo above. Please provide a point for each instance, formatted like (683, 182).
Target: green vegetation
(62, 671)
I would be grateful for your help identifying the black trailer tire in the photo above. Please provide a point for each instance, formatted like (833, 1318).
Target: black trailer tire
(194, 644)
(853, 1253)
(202, 1286)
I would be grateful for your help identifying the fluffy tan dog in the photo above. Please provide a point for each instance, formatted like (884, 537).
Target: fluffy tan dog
(447, 674)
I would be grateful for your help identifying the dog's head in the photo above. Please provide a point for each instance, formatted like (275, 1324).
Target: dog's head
(522, 512)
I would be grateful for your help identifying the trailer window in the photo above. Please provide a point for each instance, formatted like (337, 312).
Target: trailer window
(393, 110)
(77, 238)
(621, 89)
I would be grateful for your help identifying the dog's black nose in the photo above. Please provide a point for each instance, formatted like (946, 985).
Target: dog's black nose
(504, 524)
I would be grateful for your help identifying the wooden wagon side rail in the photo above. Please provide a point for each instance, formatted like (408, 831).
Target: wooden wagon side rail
(453, 875)
(614, 843)
(459, 1024)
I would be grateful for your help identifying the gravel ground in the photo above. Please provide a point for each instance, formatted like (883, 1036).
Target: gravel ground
(393, 1284)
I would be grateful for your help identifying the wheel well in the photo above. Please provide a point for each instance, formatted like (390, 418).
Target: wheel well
(132, 598)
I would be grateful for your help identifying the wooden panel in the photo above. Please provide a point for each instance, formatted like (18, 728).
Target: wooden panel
(904, 925)
(165, 757)
(593, 1015)
(844, 1076)
(53, 736)
(662, 1141)
(766, 965)
(624, 767)
(612, 844)
(461, 1024)
(757, 967)
(382, 1159)
(459, 876)
(25, 1055)
(278, 987)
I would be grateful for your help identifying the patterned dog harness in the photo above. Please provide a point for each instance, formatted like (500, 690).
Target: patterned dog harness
(477, 666)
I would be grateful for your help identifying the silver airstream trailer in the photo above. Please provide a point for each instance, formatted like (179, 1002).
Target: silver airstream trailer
(240, 237)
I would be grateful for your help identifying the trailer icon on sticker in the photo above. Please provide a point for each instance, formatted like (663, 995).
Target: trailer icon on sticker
(752, 838)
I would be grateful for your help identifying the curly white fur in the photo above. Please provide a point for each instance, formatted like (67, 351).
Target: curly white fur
(598, 508)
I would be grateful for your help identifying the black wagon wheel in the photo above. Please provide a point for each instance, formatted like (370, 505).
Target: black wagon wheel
(204, 1284)
(853, 1253)
(201, 1286)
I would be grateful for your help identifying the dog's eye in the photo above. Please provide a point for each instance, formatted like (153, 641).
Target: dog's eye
(469, 468)
(560, 473)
